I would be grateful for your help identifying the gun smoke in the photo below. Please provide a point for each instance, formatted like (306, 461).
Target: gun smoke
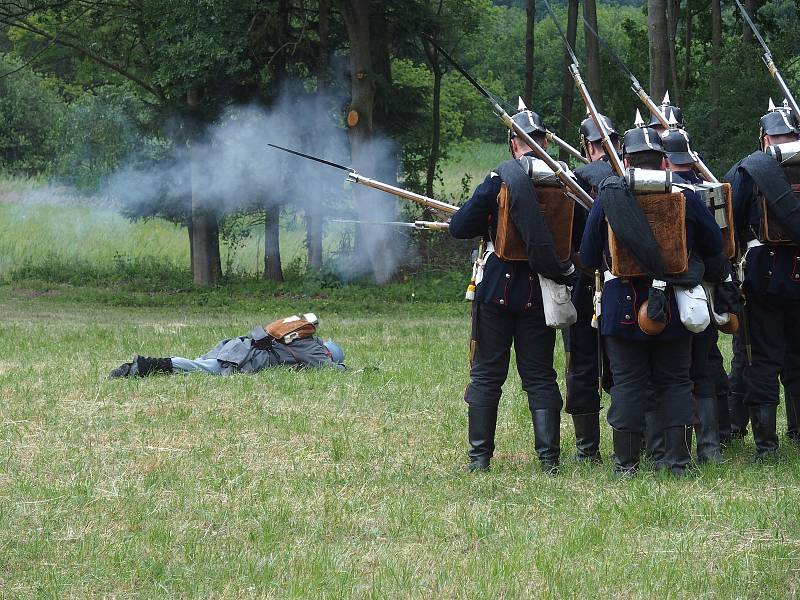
(231, 167)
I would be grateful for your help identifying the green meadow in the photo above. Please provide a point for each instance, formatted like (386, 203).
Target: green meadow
(308, 484)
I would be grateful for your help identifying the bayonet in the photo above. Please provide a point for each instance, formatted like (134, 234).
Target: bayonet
(611, 151)
(354, 177)
(767, 58)
(576, 191)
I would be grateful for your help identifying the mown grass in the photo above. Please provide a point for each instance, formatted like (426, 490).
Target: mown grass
(310, 484)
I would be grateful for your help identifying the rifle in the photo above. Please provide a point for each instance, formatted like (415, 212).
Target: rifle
(611, 152)
(571, 150)
(648, 101)
(354, 177)
(580, 195)
(430, 225)
(598, 297)
(767, 58)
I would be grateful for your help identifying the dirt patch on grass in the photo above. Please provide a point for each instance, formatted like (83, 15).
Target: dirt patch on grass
(28, 293)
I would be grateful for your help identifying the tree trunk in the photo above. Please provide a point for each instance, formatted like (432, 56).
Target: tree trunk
(381, 62)
(592, 54)
(687, 43)
(369, 248)
(272, 248)
(673, 16)
(659, 53)
(436, 122)
(747, 34)
(527, 94)
(716, 55)
(204, 228)
(313, 209)
(567, 91)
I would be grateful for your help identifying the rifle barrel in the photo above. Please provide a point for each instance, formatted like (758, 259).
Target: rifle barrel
(571, 150)
(405, 194)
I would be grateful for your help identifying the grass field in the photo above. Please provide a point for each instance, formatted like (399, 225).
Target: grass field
(334, 485)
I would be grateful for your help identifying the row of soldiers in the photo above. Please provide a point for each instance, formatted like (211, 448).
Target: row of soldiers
(665, 381)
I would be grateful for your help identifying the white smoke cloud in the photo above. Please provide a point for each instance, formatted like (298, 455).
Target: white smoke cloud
(234, 168)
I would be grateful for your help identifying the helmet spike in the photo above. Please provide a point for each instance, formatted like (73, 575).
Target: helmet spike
(771, 105)
(638, 122)
(672, 122)
(521, 104)
(666, 98)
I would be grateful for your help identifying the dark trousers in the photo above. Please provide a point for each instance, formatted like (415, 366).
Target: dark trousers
(738, 364)
(716, 366)
(635, 366)
(496, 329)
(580, 347)
(699, 371)
(775, 337)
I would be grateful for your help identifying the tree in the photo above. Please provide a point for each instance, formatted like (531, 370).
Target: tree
(659, 53)
(530, 11)
(592, 55)
(568, 90)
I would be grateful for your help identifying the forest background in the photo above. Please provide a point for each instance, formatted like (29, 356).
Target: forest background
(163, 110)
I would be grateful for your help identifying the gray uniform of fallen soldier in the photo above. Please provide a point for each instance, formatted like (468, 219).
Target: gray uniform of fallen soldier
(247, 354)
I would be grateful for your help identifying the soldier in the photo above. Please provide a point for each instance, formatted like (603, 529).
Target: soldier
(294, 346)
(768, 229)
(641, 360)
(508, 307)
(706, 358)
(580, 340)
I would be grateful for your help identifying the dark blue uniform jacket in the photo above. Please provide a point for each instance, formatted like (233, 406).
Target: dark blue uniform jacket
(769, 269)
(510, 284)
(623, 297)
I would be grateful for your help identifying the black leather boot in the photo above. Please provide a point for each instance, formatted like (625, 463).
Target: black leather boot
(144, 366)
(739, 415)
(792, 417)
(708, 447)
(482, 426)
(547, 437)
(587, 437)
(654, 437)
(763, 419)
(124, 370)
(676, 452)
(723, 418)
(627, 449)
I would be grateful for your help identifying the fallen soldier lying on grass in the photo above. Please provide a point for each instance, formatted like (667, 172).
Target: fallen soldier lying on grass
(290, 342)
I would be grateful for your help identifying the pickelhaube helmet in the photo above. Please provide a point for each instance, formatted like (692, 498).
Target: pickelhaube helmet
(591, 133)
(529, 121)
(778, 120)
(641, 138)
(669, 112)
(677, 146)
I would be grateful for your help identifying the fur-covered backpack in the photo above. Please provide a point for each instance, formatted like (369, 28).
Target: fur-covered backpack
(286, 330)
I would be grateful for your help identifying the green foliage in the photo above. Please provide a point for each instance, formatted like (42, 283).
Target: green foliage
(30, 112)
